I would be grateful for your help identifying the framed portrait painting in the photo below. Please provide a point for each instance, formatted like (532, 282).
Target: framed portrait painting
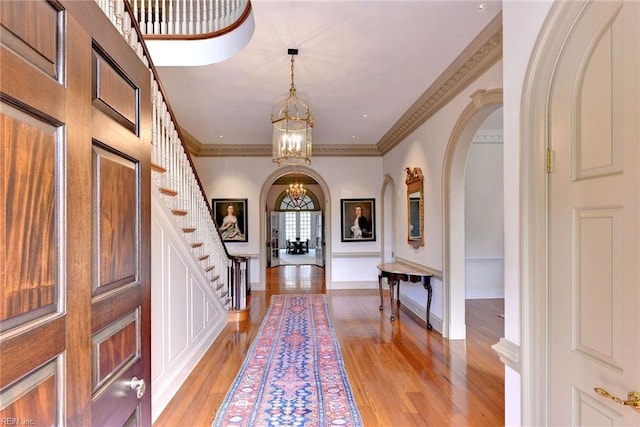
(231, 217)
(358, 220)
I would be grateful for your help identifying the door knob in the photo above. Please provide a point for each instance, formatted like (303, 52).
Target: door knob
(633, 398)
(139, 386)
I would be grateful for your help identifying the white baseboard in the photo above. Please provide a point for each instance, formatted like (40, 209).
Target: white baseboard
(368, 284)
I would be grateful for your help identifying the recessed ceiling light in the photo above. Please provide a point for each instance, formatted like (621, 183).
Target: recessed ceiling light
(482, 6)
(353, 136)
(221, 137)
(364, 115)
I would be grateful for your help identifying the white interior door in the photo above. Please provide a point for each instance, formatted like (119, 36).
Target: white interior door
(274, 247)
(319, 241)
(594, 236)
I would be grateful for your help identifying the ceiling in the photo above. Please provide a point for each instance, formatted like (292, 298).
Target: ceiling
(361, 65)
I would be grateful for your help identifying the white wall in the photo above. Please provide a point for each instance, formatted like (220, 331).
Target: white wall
(352, 177)
(425, 148)
(484, 225)
(185, 313)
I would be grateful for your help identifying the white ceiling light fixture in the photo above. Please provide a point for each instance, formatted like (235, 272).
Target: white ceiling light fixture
(292, 127)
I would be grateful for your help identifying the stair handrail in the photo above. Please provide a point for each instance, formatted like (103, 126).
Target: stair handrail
(121, 15)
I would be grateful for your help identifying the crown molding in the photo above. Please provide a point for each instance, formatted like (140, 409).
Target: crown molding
(264, 150)
(481, 54)
(356, 150)
(198, 149)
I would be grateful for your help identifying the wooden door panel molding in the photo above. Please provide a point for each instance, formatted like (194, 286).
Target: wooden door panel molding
(38, 43)
(113, 93)
(29, 285)
(25, 89)
(116, 222)
(114, 306)
(115, 347)
(35, 346)
(39, 395)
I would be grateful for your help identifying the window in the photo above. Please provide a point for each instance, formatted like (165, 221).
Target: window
(297, 224)
(305, 225)
(288, 204)
(290, 226)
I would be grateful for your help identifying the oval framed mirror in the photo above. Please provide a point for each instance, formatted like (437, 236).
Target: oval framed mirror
(415, 207)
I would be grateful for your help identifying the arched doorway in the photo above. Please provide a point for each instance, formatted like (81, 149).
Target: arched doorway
(388, 210)
(322, 195)
(483, 103)
(295, 220)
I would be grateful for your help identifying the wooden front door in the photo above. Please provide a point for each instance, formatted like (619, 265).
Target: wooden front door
(74, 219)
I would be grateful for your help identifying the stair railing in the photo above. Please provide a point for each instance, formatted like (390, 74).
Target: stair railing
(187, 17)
(176, 179)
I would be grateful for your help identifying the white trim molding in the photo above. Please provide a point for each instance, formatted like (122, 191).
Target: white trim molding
(509, 353)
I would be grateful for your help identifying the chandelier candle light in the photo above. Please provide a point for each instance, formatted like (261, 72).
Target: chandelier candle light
(296, 192)
(292, 127)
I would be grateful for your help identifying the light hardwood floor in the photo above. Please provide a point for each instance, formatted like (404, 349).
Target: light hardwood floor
(400, 373)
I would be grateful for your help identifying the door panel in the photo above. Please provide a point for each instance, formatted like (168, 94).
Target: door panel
(275, 238)
(34, 120)
(594, 218)
(75, 218)
(120, 230)
(319, 240)
(29, 167)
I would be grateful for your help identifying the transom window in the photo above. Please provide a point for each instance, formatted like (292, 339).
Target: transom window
(306, 203)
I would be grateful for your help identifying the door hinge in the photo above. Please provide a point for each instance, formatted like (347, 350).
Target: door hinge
(549, 160)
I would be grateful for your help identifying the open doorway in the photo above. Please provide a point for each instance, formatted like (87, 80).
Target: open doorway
(484, 212)
(483, 104)
(271, 199)
(295, 219)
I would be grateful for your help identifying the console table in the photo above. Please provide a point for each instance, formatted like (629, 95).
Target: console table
(395, 272)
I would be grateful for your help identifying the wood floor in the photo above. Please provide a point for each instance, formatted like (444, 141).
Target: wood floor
(401, 374)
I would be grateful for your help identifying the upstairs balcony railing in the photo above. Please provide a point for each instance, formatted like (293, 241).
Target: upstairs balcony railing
(175, 176)
(184, 18)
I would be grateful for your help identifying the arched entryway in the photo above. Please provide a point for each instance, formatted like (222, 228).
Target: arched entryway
(388, 209)
(322, 196)
(483, 103)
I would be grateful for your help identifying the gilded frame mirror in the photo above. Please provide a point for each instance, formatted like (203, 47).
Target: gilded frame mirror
(415, 207)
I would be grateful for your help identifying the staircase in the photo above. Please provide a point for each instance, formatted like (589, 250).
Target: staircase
(197, 286)
(174, 176)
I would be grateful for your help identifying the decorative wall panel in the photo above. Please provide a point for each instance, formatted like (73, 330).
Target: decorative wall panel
(597, 285)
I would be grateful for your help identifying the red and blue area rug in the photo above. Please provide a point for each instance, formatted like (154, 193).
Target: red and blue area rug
(293, 374)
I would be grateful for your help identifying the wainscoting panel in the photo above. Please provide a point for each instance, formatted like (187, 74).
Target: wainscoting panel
(186, 315)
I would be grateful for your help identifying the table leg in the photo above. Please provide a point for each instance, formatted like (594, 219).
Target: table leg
(426, 282)
(392, 289)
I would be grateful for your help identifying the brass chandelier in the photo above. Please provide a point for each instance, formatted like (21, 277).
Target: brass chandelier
(297, 193)
(292, 127)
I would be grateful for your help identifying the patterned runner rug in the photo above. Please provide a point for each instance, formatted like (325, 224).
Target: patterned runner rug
(293, 374)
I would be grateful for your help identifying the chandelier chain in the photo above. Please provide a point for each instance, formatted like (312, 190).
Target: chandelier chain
(293, 87)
